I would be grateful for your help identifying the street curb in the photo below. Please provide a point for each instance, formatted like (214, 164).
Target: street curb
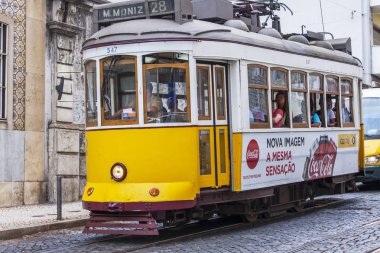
(19, 232)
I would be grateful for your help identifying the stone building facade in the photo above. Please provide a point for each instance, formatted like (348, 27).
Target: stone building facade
(22, 130)
(41, 136)
(69, 23)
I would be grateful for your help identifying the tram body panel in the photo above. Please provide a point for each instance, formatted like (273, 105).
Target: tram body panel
(152, 160)
(285, 158)
(237, 161)
(139, 192)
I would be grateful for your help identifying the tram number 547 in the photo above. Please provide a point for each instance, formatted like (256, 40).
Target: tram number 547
(111, 50)
(158, 6)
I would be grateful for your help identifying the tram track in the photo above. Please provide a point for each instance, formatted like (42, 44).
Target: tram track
(194, 230)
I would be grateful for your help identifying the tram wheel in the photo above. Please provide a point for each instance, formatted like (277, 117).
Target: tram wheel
(249, 217)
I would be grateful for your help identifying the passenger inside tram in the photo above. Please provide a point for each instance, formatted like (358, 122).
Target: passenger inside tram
(331, 117)
(279, 113)
(347, 117)
(316, 111)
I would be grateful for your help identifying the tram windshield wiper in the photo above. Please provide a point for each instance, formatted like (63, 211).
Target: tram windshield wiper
(106, 82)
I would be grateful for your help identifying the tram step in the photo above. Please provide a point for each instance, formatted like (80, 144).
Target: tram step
(124, 224)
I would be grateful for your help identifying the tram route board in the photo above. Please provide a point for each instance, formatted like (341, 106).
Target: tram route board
(135, 10)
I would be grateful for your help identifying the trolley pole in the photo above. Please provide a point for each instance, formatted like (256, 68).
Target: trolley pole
(59, 197)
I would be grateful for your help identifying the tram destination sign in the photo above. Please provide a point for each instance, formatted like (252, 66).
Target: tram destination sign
(125, 11)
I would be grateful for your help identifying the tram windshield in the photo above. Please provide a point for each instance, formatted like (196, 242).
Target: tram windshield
(371, 117)
(119, 90)
(166, 88)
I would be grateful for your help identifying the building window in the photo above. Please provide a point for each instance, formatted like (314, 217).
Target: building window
(332, 101)
(3, 69)
(91, 93)
(280, 108)
(257, 95)
(119, 90)
(316, 100)
(376, 26)
(299, 111)
(346, 100)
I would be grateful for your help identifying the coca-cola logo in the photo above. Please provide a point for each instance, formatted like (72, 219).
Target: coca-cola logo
(321, 167)
(253, 154)
(321, 163)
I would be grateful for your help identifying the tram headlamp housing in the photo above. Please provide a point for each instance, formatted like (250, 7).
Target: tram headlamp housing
(372, 159)
(118, 172)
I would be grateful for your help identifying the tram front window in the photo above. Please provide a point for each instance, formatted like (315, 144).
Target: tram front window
(165, 94)
(371, 117)
(90, 82)
(119, 90)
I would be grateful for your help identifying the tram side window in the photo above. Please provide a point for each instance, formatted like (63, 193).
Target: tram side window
(257, 96)
(299, 103)
(346, 100)
(166, 92)
(317, 113)
(119, 93)
(332, 101)
(91, 93)
(203, 92)
(220, 93)
(280, 108)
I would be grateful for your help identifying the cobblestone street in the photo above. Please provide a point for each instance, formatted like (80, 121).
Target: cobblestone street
(353, 226)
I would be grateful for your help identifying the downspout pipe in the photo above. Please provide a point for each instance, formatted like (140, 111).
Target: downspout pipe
(367, 43)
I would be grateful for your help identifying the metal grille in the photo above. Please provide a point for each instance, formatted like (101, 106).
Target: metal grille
(3, 69)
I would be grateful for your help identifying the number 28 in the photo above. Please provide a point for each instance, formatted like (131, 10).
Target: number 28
(159, 6)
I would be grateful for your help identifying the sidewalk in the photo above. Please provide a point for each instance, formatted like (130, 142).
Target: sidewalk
(25, 220)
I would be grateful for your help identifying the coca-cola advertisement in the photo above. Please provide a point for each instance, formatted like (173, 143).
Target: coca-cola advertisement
(281, 158)
(253, 154)
(320, 163)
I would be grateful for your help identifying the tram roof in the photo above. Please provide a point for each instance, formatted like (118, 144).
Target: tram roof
(150, 30)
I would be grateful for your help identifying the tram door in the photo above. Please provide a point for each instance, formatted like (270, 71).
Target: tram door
(213, 130)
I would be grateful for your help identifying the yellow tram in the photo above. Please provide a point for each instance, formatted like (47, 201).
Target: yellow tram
(179, 121)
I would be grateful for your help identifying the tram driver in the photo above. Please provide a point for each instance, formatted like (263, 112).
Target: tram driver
(154, 105)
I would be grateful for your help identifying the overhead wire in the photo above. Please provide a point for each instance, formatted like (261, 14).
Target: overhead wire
(342, 6)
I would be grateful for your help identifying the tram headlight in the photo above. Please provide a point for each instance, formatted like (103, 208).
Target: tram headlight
(372, 159)
(118, 172)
